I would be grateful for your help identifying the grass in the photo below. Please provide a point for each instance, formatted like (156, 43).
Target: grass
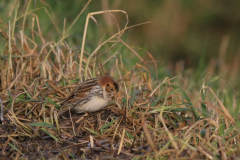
(151, 119)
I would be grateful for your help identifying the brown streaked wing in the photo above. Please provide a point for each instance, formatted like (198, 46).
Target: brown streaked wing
(85, 87)
(73, 102)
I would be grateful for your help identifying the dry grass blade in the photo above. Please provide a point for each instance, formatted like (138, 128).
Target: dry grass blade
(1, 114)
(91, 141)
(169, 133)
(156, 88)
(78, 16)
(205, 152)
(121, 142)
(147, 134)
(223, 154)
(142, 60)
(84, 38)
(225, 111)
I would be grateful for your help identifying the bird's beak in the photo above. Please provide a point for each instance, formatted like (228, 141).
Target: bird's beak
(114, 96)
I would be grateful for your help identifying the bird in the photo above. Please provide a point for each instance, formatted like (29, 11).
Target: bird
(91, 95)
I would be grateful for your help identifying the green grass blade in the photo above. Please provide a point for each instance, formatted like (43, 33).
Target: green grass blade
(165, 108)
(15, 148)
(42, 124)
(50, 134)
(92, 131)
(42, 156)
(203, 105)
(213, 80)
(106, 125)
(187, 98)
(129, 135)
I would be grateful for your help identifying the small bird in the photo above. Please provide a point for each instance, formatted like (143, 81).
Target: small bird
(91, 95)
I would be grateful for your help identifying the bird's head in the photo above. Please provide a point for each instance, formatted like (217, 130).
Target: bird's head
(110, 85)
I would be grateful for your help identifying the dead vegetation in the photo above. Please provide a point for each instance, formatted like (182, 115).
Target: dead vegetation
(150, 120)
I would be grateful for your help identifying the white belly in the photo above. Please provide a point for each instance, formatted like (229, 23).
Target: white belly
(93, 105)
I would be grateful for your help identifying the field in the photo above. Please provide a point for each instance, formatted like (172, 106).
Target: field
(163, 109)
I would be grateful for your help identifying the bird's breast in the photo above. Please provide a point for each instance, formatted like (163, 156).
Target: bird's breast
(94, 104)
